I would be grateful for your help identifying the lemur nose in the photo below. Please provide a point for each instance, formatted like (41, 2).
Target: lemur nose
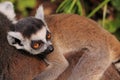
(50, 48)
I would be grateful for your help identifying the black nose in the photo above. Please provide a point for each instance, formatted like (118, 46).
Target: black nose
(50, 48)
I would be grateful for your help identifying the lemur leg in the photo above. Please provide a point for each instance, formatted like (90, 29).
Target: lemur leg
(57, 64)
(91, 66)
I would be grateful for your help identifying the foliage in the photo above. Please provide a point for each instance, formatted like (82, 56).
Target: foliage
(70, 6)
(113, 25)
(23, 5)
(116, 4)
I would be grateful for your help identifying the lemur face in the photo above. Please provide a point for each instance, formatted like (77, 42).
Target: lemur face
(31, 34)
(40, 42)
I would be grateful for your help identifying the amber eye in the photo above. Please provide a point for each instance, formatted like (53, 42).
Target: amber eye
(36, 45)
(48, 36)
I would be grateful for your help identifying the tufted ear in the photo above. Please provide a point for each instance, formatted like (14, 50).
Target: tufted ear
(7, 9)
(40, 13)
(15, 39)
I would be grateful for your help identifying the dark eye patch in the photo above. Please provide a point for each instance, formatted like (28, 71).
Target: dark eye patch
(36, 44)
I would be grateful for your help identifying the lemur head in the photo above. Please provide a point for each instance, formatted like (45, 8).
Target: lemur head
(31, 34)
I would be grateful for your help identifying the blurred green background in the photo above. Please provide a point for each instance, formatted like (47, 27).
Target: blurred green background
(105, 12)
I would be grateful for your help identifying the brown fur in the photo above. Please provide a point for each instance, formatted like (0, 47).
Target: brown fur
(14, 64)
(72, 34)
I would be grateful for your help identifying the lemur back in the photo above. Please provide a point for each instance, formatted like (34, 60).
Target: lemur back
(74, 33)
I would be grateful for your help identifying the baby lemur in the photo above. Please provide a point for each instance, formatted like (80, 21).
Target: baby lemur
(99, 46)
(31, 34)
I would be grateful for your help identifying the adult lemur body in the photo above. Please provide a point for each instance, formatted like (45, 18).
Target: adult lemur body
(73, 34)
(99, 46)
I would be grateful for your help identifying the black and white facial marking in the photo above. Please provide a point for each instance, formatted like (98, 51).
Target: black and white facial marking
(31, 34)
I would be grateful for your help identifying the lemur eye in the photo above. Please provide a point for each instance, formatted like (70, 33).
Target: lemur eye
(48, 35)
(36, 44)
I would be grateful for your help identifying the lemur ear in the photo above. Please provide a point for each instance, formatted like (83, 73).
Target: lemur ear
(40, 13)
(7, 9)
(15, 39)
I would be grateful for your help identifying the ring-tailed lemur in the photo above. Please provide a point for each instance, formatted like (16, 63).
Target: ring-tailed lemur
(32, 35)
